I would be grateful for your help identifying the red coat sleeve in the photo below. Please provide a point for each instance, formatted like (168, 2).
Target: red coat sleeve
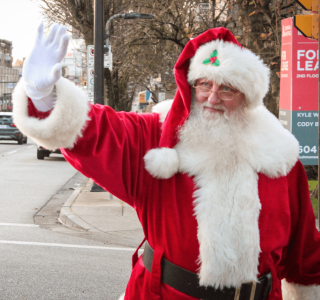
(301, 263)
(33, 112)
(112, 148)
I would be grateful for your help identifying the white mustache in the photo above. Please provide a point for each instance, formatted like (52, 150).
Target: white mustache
(216, 106)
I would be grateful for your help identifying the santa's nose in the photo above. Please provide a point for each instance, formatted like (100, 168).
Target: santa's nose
(214, 97)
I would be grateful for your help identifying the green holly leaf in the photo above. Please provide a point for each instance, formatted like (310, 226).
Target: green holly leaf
(214, 53)
(207, 61)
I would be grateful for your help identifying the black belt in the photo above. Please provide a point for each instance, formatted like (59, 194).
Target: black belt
(188, 282)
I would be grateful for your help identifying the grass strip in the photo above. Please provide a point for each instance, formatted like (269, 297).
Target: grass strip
(314, 201)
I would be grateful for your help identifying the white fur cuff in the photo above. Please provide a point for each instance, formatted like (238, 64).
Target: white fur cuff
(65, 123)
(162, 163)
(292, 291)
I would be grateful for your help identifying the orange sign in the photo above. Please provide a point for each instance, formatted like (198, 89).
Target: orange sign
(142, 97)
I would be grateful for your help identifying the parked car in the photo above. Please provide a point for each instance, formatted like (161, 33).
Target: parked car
(43, 152)
(9, 131)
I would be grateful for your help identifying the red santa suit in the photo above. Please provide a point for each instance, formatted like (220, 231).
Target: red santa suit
(229, 221)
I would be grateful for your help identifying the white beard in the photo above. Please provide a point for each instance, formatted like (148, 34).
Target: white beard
(226, 202)
(218, 134)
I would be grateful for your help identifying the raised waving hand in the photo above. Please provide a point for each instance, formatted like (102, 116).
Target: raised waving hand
(42, 69)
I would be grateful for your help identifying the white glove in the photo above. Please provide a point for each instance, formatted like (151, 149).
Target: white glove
(42, 69)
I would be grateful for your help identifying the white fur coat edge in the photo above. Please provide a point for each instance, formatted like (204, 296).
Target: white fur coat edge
(292, 291)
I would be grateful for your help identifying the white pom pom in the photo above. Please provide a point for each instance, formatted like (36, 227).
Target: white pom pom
(162, 163)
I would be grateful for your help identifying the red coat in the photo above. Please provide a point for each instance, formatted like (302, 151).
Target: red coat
(111, 152)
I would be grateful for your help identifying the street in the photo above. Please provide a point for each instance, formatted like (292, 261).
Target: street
(37, 263)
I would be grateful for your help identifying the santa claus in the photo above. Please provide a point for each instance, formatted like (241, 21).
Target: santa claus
(214, 177)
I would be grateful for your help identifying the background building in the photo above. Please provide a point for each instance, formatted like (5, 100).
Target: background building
(8, 76)
(18, 65)
(74, 64)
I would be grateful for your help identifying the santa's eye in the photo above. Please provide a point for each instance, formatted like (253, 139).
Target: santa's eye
(226, 88)
(206, 85)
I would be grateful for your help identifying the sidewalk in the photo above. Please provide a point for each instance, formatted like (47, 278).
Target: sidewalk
(97, 212)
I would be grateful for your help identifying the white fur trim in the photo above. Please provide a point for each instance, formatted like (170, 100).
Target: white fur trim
(162, 163)
(292, 291)
(227, 210)
(162, 109)
(65, 123)
(122, 297)
(270, 148)
(238, 66)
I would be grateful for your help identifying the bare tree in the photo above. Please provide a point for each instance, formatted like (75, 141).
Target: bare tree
(77, 14)
(149, 49)
(144, 49)
(260, 22)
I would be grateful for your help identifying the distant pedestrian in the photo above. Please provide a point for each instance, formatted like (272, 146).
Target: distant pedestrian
(214, 177)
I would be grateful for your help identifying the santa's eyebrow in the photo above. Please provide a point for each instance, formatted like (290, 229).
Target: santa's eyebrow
(229, 85)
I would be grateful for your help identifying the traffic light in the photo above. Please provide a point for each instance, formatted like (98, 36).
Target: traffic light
(308, 25)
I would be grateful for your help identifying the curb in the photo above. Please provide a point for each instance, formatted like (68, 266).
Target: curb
(70, 219)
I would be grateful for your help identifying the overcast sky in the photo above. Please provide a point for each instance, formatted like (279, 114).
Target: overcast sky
(19, 20)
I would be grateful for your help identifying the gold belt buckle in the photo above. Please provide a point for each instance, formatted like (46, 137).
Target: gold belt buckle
(253, 291)
(237, 294)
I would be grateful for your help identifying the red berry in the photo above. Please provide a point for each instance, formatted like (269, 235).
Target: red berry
(213, 59)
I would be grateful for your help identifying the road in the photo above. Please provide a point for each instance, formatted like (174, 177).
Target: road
(37, 263)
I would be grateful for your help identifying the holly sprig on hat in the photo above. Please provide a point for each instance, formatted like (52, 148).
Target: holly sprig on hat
(213, 59)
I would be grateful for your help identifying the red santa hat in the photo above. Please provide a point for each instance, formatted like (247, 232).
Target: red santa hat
(218, 56)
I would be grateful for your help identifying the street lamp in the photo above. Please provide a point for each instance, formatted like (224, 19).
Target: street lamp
(124, 16)
(98, 56)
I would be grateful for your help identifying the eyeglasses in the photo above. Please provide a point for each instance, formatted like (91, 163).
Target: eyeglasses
(224, 92)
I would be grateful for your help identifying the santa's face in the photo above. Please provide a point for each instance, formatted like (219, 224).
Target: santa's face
(216, 98)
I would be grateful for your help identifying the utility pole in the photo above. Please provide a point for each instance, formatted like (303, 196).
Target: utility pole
(98, 52)
(98, 86)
